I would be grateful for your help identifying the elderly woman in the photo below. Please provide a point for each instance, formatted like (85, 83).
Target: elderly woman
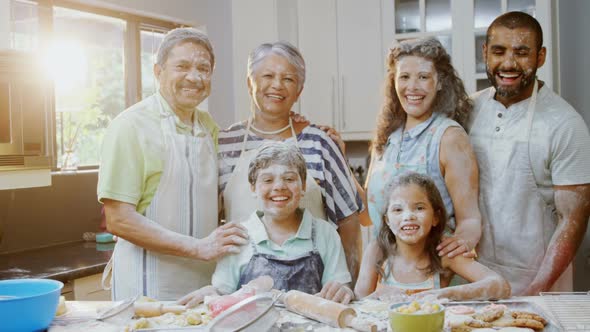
(420, 128)
(276, 73)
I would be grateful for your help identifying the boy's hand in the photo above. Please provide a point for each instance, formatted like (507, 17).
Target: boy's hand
(193, 299)
(337, 292)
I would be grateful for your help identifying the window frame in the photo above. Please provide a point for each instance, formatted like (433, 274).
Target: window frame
(131, 50)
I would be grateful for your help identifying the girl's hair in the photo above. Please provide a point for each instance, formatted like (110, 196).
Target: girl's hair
(451, 100)
(386, 238)
(279, 153)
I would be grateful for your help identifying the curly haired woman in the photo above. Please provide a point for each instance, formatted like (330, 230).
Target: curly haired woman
(420, 129)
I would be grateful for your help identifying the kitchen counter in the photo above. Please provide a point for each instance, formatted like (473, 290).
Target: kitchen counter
(63, 262)
(287, 322)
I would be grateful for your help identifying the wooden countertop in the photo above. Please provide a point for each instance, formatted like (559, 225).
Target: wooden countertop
(62, 262)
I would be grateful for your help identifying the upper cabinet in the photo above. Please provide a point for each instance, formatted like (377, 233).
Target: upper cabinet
(341, 42)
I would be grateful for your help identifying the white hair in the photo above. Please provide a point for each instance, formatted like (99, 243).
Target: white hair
(282, 48)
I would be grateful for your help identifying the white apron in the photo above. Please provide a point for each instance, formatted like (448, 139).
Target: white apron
(238, 199)
(517, 221)
(185, 202)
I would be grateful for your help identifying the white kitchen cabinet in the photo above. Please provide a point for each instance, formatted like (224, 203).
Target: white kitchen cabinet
(317, 41)
(461, 26)
(341, 43)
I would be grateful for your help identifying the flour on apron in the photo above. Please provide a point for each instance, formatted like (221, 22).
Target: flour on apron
(238, 199)
(517, 222)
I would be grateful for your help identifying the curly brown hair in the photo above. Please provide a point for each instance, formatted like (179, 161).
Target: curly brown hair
(451, 100)
(386, 239)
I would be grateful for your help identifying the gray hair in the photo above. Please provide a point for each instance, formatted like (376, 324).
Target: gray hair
(181, 35)
(282, 48)
(280, 153)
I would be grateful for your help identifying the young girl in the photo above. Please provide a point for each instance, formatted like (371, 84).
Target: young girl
(297, 250)
(404, 259)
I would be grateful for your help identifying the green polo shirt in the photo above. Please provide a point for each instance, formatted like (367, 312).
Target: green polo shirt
(133, 152)
(327, 241)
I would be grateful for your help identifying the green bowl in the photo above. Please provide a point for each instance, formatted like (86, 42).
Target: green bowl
(433, 322)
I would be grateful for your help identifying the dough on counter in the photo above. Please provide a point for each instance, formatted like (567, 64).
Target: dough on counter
(528, 315)
(61, 307)
(461, 310)
(530, 323)
(490, 314)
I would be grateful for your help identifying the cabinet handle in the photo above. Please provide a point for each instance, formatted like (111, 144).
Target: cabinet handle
(343, 104)
(333, 100)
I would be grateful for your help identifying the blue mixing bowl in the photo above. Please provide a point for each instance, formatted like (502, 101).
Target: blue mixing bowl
(28, 304)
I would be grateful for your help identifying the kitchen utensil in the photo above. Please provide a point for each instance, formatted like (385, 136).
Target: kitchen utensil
(254, 314)
(424, 322)
(570, 309)
(152, 309)
(28, 304)
(326, 311)
(120, 312)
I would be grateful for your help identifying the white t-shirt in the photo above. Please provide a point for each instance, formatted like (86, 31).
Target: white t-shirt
(559, 141)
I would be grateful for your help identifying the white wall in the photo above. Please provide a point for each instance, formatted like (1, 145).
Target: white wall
(191, 12)
(574, 48)
(574, 75)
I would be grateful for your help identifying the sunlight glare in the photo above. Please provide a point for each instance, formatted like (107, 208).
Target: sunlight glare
(66, 64)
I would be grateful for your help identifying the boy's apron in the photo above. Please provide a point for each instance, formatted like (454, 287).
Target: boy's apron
(517, 222)
(238, 200)
(303, 273)
(185, 202)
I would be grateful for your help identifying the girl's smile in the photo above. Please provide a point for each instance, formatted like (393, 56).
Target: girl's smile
(410, 214)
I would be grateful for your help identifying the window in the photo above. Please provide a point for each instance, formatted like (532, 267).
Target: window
(91, 54)
(86, 55)
(150, 41)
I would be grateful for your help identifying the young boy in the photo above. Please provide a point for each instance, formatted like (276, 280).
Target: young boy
(287, 243)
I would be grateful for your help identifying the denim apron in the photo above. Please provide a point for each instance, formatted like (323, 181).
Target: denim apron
(302, 273)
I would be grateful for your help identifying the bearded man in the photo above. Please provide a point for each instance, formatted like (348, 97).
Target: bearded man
(534, 161)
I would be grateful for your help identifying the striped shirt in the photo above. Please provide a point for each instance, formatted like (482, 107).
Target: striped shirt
(325, 164)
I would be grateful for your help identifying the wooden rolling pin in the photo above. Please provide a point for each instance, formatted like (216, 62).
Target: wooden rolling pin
(325, 311)
(152, 309)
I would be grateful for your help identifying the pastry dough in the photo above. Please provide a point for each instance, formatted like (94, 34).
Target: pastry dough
(528, 315)
(490, 315)
(530, 323)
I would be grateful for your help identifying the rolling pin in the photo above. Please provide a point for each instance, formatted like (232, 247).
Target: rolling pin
(152, 309)
(325, 311)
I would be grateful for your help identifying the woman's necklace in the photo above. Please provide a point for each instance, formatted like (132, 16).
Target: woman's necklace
(273, 132)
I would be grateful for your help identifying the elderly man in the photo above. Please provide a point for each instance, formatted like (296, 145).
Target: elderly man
(158, 180)
(532, 150)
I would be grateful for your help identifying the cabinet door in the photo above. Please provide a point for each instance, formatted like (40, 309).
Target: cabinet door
(318, 44)
(360, 64)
